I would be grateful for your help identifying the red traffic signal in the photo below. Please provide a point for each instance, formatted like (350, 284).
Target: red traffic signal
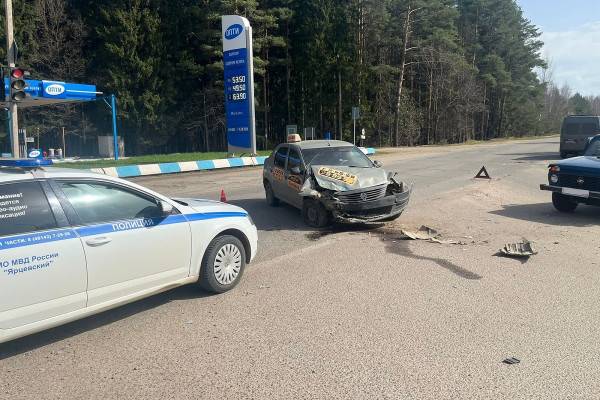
(17, 73)
(17, 84)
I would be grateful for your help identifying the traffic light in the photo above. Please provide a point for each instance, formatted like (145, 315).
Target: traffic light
(17, 84)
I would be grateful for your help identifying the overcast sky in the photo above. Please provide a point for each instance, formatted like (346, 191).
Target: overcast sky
(571, 33)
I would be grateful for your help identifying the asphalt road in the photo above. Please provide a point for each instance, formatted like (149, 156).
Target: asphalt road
(358, 313)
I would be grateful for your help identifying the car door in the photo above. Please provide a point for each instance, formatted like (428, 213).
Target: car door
(294, 177)
(130, 245)
(278, 172)
(42, 262)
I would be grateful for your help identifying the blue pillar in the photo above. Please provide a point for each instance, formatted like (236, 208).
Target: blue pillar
(113, 106)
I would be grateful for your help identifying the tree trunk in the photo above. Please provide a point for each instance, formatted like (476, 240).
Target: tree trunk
(409, 11)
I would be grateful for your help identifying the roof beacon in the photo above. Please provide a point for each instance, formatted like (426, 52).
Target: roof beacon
(294, 138)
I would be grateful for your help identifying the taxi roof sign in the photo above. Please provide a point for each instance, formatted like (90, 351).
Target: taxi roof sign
(25, 162)
(294, 138)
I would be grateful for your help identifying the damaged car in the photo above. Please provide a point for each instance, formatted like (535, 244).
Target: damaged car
(332, 181)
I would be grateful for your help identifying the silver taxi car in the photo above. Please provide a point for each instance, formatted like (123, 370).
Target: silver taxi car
(332, 181)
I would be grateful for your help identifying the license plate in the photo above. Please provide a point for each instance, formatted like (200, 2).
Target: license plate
(576, 192)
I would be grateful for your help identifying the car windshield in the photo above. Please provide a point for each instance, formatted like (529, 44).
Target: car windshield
(348, 156)
(593, 149)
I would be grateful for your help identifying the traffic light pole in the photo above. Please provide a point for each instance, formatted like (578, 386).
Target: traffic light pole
(10, 58)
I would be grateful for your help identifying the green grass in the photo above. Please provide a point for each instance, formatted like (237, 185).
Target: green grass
(150, 159)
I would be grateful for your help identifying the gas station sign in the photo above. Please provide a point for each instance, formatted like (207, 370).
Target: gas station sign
(239, 84)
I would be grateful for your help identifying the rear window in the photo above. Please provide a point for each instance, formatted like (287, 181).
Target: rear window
(588, 128)
(24, 208)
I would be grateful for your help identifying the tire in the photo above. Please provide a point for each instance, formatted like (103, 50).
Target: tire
(223, 264)
(563, 154)
(563, 203)
(272, 200)
(314, 214)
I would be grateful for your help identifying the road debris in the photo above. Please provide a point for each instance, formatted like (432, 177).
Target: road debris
(511, 361)
(424, 233)
(521, 249)
(428, 234)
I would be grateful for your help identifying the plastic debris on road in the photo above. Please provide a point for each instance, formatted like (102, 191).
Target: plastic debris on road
(424, 233)
(522, 249)
(428, 234)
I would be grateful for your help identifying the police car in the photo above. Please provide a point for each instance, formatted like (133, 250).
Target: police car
(74, 243)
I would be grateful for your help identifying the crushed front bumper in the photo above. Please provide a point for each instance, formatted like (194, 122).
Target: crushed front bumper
(383, 209)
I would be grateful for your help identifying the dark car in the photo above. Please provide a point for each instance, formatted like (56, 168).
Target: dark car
(575, 133)
(576, 180)
(331, 180)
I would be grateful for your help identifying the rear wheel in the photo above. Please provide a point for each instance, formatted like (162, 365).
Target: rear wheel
(314, 214)
(563, 203)
(223, 264)
(270, 195)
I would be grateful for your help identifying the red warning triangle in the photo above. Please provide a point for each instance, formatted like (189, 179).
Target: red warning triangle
(483, 174)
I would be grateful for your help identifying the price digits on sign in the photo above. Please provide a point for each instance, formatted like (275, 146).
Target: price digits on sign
(238, 88)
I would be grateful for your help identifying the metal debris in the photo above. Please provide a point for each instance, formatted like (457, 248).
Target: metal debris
(520, 249)
(424, 233)
(511, 361)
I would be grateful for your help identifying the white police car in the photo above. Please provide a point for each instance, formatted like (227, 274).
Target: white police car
(75, 243)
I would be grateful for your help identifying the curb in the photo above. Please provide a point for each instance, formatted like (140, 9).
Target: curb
(130, 171)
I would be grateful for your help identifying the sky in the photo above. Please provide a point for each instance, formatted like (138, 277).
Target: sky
(571, 33)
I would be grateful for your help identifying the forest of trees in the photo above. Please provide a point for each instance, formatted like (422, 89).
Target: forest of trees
(422, 71)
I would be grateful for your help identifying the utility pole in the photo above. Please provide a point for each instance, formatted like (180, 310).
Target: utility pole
(10, 58)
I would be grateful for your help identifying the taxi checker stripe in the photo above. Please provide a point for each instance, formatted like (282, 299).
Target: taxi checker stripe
(66, 234)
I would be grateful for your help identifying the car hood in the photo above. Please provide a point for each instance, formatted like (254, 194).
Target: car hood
(583, 164)
(210, 206)
(339, 178)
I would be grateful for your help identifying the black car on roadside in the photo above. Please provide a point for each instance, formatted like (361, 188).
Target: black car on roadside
(576, 180)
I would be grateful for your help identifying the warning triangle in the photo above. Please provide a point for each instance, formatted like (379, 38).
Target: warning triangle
(483, 174)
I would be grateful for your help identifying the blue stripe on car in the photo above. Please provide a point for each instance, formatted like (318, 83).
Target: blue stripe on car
(117, 226)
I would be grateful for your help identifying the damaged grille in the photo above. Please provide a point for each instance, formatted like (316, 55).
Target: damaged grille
(361, 196)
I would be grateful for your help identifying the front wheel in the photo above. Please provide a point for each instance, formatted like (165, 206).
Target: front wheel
(270, 195)
(563, 203)
(223, 264)
(314, 214)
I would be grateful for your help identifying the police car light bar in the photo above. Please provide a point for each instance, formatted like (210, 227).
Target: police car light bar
(25, 162)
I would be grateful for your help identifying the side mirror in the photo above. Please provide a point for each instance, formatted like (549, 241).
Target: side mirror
(296, 170)
(378, 163)
(165, 208)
